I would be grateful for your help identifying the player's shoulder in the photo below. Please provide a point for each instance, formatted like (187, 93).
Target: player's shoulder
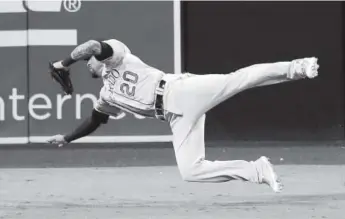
(117, 45)
(113, 42)
(108, 41)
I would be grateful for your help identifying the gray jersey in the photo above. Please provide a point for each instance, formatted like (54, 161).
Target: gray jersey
(129, 83)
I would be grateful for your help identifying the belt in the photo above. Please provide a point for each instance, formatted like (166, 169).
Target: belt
(159, 100)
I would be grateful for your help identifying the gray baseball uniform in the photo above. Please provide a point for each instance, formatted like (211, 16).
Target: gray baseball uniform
(133, 86)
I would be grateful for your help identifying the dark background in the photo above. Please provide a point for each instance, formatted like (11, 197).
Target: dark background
(220, 37)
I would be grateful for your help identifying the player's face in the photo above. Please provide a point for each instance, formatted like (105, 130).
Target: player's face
(95, 67)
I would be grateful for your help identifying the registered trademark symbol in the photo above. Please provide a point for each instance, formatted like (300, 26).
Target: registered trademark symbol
(72, 5)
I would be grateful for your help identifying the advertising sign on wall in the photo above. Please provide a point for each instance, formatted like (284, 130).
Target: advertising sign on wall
(32, 33)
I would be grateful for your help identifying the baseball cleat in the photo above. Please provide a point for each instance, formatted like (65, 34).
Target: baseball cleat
(311, 67)
(302, 68)
(268, 175)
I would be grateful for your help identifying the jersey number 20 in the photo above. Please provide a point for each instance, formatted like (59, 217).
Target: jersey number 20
(130, 80)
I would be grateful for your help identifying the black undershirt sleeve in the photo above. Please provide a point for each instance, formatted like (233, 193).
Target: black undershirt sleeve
(107, 52)
(88, 126)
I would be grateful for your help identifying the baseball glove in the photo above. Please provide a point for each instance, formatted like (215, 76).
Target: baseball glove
(62, 77)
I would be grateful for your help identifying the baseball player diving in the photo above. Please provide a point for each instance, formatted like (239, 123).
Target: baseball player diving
(182, 100)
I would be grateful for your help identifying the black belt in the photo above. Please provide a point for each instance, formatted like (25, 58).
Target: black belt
(159, 100)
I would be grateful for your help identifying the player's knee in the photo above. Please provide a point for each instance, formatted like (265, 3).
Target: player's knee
(187, 177)
(189, 174)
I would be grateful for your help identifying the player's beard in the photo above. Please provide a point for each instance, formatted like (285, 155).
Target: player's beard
(94, 75)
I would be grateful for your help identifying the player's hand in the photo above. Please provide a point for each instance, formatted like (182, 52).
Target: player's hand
(57, 139)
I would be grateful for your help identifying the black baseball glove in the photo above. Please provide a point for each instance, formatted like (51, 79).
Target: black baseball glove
(62, 77)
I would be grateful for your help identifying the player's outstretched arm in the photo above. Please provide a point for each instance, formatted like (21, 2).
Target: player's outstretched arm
(100, 50)
(87, 127)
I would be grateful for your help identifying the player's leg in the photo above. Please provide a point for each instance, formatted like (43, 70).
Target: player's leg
(189, 149)
(195, 95)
